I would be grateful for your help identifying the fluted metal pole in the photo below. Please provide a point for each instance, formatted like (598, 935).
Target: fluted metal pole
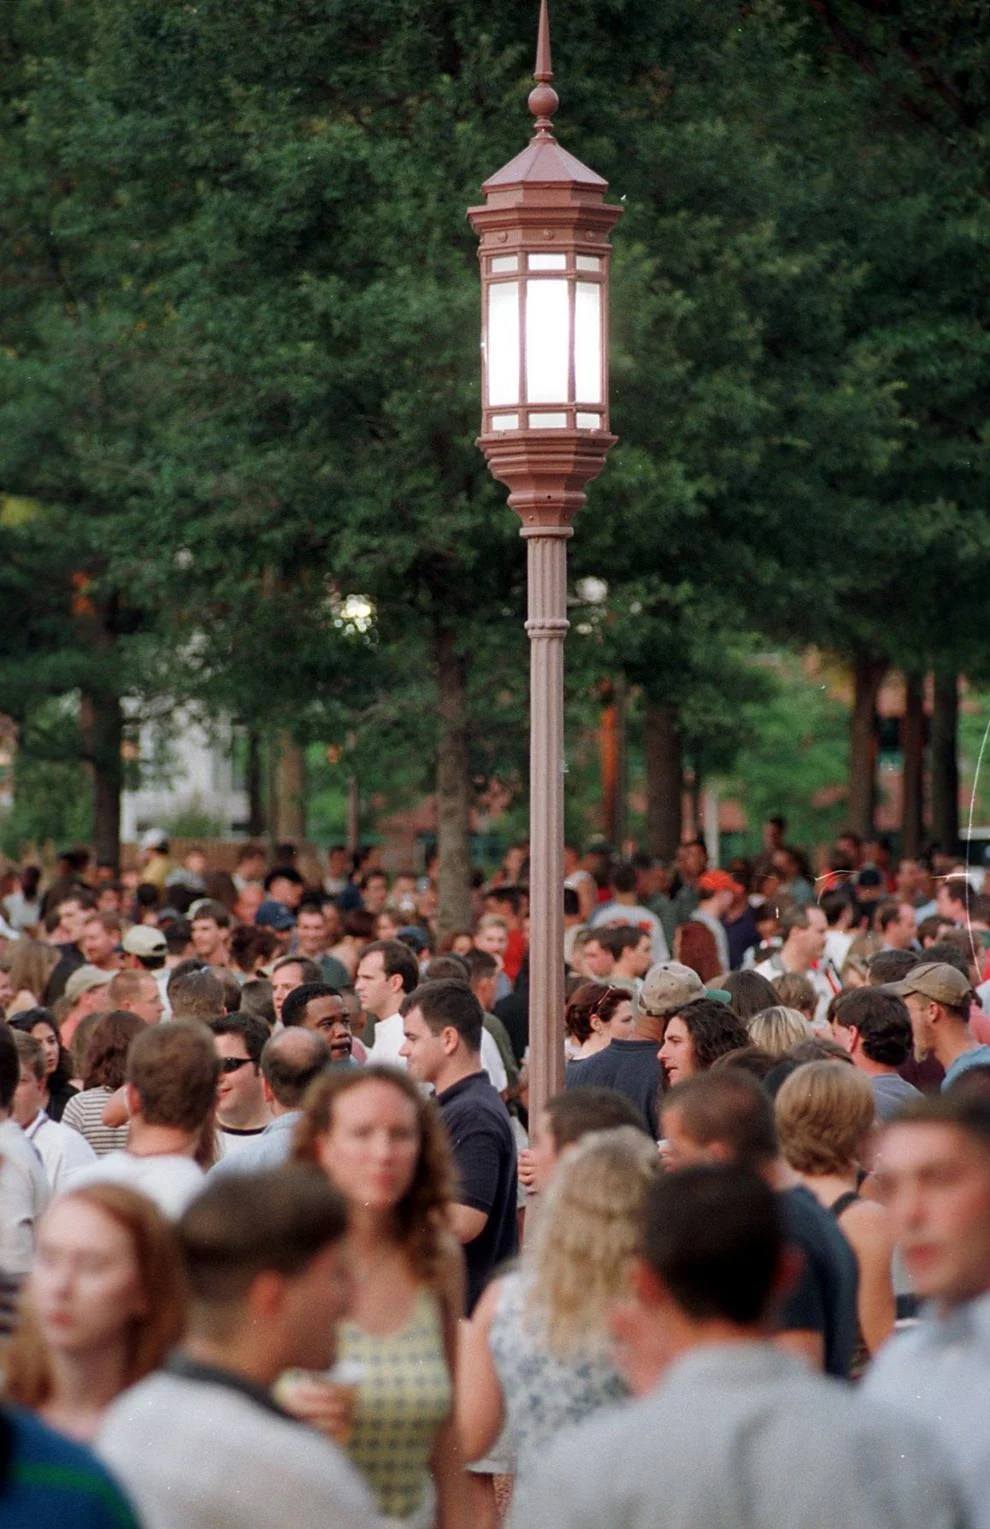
(546, 627)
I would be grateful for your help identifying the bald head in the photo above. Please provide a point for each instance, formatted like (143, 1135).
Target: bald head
(289, 1063)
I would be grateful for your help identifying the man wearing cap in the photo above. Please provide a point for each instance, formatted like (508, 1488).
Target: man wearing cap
(632, 1067)
(717, 891)
(86, 991)
(938, 998)
(146, 949)
(279, 919)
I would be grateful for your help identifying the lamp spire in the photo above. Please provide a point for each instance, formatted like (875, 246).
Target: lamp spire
(543, 100)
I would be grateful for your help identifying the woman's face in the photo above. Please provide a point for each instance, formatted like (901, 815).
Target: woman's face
(85, 1285)
(462, 944)
(372, 1147)
(386, 927)
(44, 1033)
(620, 1026)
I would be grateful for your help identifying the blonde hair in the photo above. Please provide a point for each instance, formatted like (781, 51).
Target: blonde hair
(777, 1029)
(589, 1227)
(825, 1111)
(31, 964)
(858, 957)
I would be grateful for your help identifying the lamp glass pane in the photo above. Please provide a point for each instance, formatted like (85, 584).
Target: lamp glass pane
(588, 342)
(547, 340)
(548, 421)
(589, 421)
(548, 262)
(588, 263)
(505, 263)
(505, 421)
(503, 343)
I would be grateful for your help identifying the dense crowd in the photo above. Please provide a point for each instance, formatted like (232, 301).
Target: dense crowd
(281, 1237)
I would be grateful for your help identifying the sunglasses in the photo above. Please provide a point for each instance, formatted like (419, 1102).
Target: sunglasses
(230, 1064)
(603, 1000)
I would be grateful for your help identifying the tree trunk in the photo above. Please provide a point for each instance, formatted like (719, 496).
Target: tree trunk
(612, 756)
(664, 784)
(253, 783)
(102, 722)
(867, 675)
(290, 790)
(453, 787)
(913, 755)
(945, 762)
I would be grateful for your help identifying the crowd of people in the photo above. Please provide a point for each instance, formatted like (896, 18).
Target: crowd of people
(280, 1233)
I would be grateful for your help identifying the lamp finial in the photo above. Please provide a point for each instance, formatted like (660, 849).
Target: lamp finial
(543, 100)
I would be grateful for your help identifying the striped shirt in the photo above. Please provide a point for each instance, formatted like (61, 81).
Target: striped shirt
(84, 1113)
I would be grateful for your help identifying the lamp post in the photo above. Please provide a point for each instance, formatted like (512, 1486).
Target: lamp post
(544, 253)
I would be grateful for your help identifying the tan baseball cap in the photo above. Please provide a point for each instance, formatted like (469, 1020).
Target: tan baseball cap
(145, 940)
(935, 980)
(667, 987)
(83, 979)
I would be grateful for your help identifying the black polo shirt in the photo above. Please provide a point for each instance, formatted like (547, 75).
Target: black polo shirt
(631, 1068)
(477, 1123)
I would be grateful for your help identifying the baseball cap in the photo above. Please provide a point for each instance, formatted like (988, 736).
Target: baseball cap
(274, 915)
(935, 980)
(667, 987)
(83, 979)
(153, 838)
(719, 881)
(145, 940)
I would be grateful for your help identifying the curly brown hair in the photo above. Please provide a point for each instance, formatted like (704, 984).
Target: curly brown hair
(421, 1214)
(109, 1042)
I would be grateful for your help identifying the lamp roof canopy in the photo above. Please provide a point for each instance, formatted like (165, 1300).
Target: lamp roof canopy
(543, 163)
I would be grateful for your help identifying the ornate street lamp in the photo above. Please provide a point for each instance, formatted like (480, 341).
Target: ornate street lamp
(544, 254)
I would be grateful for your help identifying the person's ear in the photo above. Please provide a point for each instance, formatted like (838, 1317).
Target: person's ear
(265, 1295)
(646, 1284)
(450, 1039)
(132, 1100)
(266, 1090)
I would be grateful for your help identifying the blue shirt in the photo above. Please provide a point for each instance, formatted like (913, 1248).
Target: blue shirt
(53, 1483)
(978, 1057)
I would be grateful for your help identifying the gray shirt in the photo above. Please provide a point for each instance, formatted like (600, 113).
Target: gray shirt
(742, 1436)
(938, 1374)
(891, 1093)
(269, 1149)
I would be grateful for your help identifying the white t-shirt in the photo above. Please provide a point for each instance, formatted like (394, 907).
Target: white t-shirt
(616, 914)
(201, 1455)
(169, 1179)
(60, 1148)
(232, 1143)
(390, 1035)
(24, 1193)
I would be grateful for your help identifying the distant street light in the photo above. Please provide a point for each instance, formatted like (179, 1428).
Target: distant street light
(544, 253)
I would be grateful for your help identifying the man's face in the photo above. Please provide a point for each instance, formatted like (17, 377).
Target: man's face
(330, 1018)
(287, 892)
(249, 900)
(72, 915)
(642, 957)
(691, 861)
(937, 1181)
(909, 878)
(677, 1051)
(946, 906)
(484, 990)
(337, 863)
(379, 994)
(597, 960)
(148, 1004)
(252, 868)
(240, 1098)
(922, 1012)
(27, 1097)
(901, 933)
(812, 939)
(91, 1002)
(543, 1151)
(311, 933)
(284, 981)
(681, 1149)
(375, 894)
(493, 939)
(209, 941)
(314, 1301)
(98, 945)
(424, 1052)
(108, 900)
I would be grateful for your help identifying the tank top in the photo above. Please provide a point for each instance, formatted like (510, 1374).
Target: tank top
(861, 1354)
(404, 1397)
